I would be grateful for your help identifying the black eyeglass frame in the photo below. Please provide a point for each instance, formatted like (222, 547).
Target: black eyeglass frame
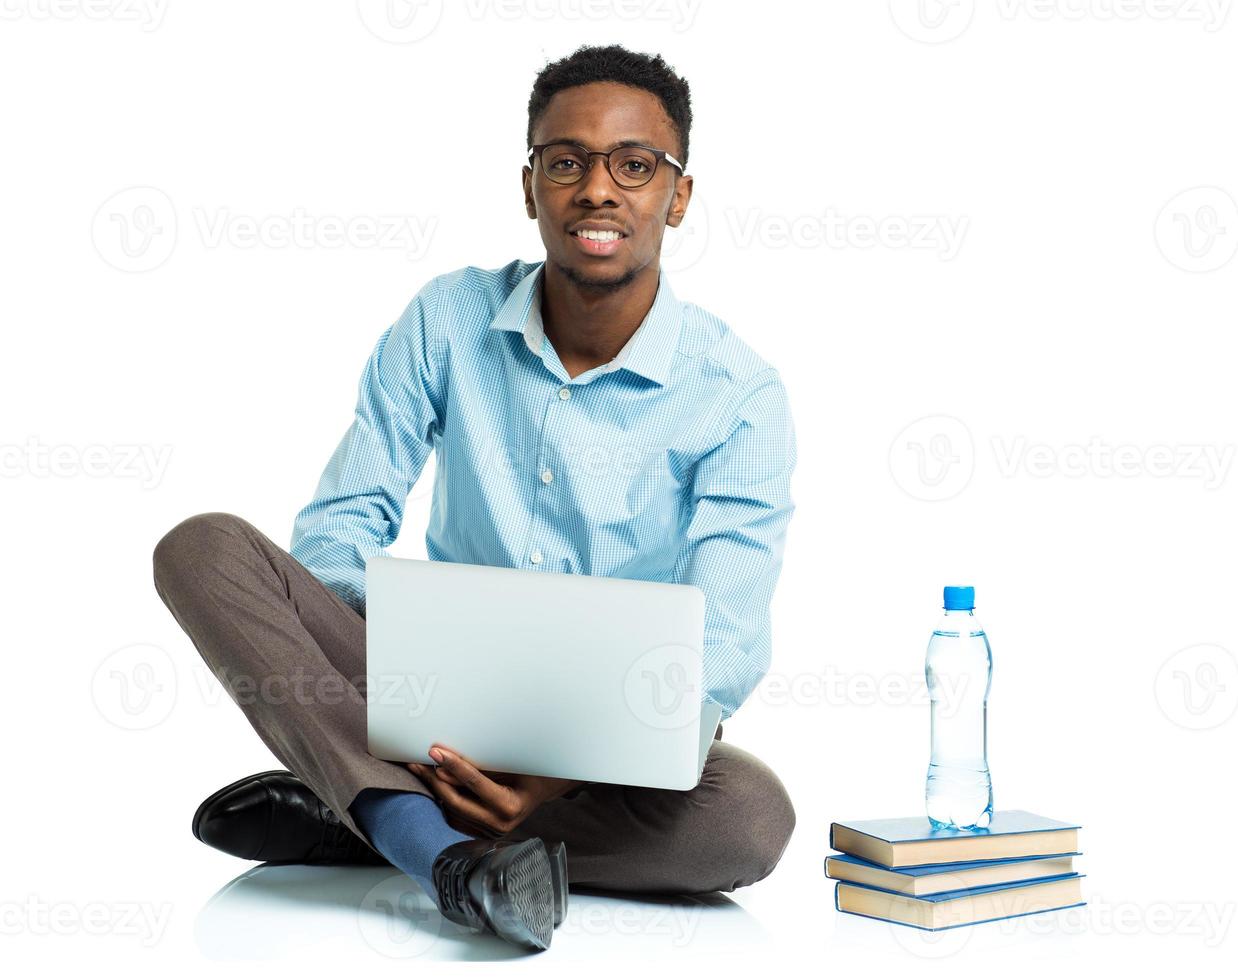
(658, 155)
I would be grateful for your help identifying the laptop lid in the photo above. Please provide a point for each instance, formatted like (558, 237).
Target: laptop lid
(574, 676)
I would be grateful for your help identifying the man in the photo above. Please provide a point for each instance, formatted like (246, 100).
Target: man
(584, 420)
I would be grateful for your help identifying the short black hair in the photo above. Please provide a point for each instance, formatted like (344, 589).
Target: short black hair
(615, 63)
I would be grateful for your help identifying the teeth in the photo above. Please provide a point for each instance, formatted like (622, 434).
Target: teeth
(599, 236)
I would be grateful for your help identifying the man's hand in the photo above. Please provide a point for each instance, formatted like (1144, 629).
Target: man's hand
(483, 803)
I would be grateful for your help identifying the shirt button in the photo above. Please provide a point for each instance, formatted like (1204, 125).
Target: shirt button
(565, 394)
(547, 476)
(536, 557)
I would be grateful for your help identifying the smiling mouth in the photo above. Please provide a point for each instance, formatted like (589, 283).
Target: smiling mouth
(599, 236)
(599, 242)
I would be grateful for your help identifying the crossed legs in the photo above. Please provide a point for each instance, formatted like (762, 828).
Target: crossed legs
(291, 654)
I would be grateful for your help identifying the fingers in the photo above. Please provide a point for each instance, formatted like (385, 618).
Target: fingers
(467, 776)
(466, 791)
(445, 775)
(455, 800)
(438, 772)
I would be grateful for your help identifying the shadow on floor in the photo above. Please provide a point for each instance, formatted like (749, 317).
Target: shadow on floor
(277, 911)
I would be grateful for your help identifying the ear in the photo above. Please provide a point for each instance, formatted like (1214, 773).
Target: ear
(679, 202)
(526, 181)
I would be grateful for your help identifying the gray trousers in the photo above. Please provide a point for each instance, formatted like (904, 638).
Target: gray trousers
(291, 654)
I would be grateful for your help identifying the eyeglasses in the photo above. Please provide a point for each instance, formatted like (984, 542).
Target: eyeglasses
(630, 166)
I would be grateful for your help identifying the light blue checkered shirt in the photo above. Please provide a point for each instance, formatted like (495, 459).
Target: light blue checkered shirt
(671, 463)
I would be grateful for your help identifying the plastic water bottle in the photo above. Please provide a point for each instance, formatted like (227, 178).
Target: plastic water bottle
(959, 669)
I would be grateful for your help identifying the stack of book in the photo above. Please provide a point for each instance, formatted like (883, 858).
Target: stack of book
(905, 871)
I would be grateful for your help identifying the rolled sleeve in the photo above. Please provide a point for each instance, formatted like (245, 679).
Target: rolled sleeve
(358, 505)
(735, 538)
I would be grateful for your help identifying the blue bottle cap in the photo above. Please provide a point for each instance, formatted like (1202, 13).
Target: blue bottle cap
(960, 597)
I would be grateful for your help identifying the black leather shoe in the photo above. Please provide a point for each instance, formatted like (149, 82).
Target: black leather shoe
(498, 886)
(274, 817)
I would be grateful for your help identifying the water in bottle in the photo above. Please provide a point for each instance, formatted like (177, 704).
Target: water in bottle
(959, 668)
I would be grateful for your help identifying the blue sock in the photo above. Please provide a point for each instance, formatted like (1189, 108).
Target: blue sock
(408, 829)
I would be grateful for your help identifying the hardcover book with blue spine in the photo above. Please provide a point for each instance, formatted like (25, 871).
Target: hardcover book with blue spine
(969, 906)
(934, 878)
(909, 842)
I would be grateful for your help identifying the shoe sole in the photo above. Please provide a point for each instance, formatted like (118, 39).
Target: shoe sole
(558, 866)
(519, 894)
(210, 800)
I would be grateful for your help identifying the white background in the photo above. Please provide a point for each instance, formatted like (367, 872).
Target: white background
(971, 236)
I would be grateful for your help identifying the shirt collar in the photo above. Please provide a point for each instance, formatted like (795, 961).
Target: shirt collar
(648, 352)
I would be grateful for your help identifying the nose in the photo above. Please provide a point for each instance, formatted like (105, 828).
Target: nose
(597, 186)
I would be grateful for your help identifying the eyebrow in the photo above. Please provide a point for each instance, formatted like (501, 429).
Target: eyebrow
(613, 146)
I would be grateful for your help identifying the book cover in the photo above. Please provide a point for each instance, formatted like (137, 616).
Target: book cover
(912, 841)
(934, 878)
(970, 906)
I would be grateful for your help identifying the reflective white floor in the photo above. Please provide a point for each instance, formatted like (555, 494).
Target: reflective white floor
(102, 878)
(271, 912)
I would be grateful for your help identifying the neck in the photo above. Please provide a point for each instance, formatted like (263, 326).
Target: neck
(589, 324)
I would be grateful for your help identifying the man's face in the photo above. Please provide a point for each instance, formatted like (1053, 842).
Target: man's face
(598, 116)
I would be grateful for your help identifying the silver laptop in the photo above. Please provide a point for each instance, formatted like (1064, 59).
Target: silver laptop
(575, 676)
